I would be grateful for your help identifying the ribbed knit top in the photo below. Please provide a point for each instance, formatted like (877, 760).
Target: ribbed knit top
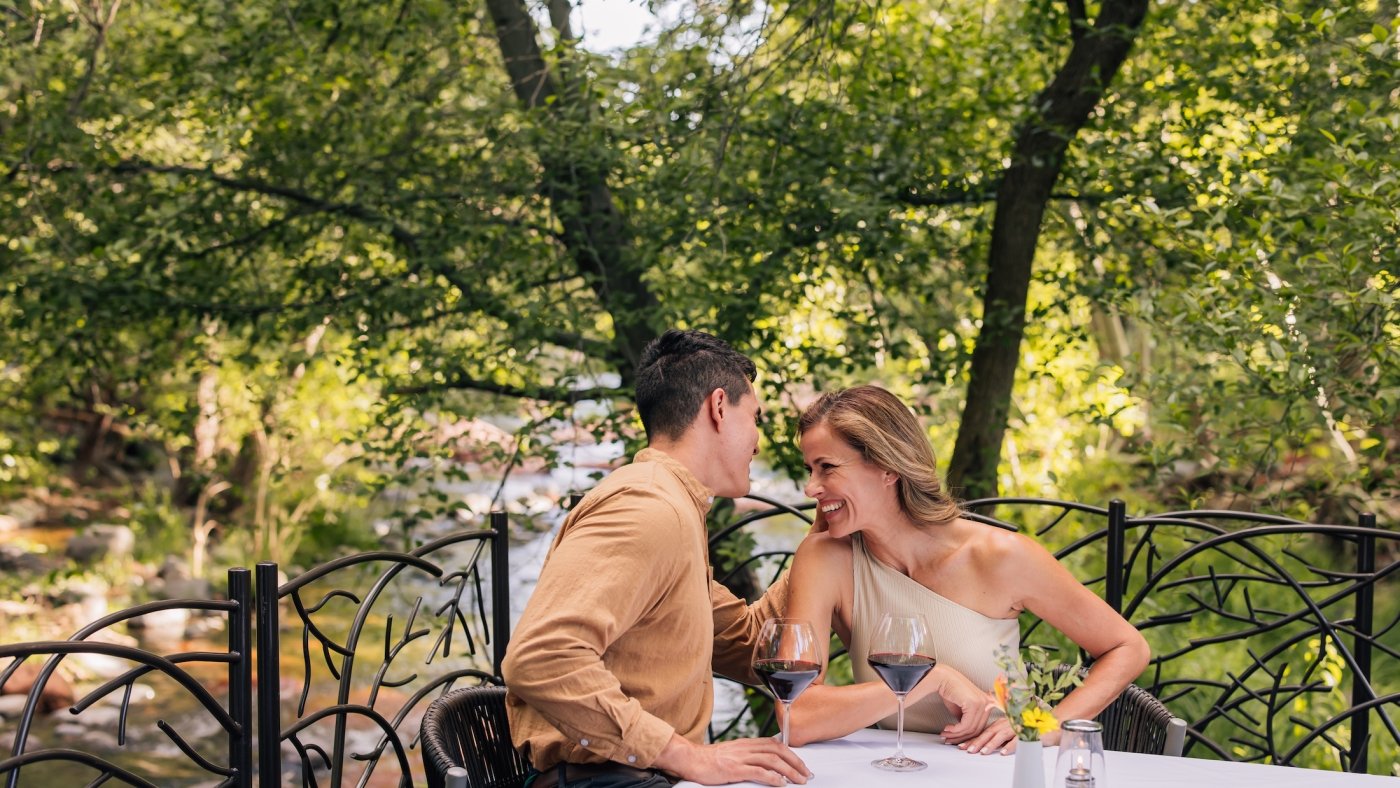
(964, 639)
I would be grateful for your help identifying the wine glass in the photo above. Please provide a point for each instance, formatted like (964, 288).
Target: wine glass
(785, 658)
(902, 654)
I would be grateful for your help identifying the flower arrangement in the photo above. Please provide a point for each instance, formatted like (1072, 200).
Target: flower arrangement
(1027, 688)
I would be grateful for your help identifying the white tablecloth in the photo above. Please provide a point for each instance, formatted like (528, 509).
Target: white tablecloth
(845, 763)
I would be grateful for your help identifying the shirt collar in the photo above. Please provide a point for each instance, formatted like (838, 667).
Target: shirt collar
(698, 491)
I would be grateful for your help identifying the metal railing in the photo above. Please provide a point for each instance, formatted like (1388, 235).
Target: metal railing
(234, 718)
(1264, 632)
(386, 631)
(1263, 628)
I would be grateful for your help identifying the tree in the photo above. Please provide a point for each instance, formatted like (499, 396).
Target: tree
(1055, 118)
(471, 213)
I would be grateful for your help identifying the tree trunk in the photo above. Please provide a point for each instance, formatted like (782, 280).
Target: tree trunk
(594, 231)
(1058, 114)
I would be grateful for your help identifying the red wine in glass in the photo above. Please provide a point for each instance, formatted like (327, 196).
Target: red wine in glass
(786, 678)
(902, 654)
(786, 659)
(901, 672)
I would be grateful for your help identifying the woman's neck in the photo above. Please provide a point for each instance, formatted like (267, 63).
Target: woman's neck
(902, 545)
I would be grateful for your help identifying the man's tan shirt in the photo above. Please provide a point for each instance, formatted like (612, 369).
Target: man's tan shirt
(614, 650)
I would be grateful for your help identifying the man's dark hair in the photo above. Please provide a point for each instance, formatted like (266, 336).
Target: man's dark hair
(678, 371)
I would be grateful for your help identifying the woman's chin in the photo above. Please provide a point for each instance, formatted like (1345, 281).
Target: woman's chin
(840, 528)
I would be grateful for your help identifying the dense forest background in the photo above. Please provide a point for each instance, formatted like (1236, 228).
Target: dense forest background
(263, 263)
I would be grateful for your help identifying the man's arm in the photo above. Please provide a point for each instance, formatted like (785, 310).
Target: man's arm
(737, 625)
(597, 583)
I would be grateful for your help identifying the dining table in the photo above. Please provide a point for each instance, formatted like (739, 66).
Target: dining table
(845, 763)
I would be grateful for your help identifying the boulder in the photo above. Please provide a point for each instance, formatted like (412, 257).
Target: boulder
(17, 560)
(160, 627)
(23, 513)
(97, 542)
(56, 694)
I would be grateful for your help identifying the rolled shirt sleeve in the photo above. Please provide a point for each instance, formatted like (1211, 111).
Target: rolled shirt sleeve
(608, 660)
(737, 625)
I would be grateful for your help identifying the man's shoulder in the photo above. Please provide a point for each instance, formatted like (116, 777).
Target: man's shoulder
(645, 478)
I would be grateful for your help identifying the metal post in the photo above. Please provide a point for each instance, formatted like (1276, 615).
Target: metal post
(240, 675)
(1361, 646)
(269, 679)
(1113, 561)
(500, 589)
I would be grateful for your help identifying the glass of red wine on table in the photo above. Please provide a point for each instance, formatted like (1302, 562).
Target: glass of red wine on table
(902, 654)
(785, 658)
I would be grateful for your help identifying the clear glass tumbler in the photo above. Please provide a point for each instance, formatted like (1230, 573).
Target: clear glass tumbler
(1081, 762)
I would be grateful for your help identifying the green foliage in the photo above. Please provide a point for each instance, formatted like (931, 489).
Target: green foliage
(287, 255)
(160, 527)
(1029, 687)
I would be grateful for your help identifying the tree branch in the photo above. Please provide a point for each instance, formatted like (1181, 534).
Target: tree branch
(974, 196)
(545, 393)
(1078, 19)
(402, 235)
(100, 27)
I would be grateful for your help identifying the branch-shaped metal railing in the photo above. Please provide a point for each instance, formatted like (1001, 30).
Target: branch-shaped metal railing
(1279, 613)
(471, 613)
(1241, 582)
(235, 719)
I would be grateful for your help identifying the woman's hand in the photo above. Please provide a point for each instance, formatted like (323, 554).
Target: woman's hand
(963, 698)
(997, 737)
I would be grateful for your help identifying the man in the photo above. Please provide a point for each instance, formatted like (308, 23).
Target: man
(609, 669)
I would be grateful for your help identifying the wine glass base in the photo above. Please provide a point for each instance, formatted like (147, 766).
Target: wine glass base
(899, 763)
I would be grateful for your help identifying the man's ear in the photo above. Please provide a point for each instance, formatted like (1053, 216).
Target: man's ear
(717, 406)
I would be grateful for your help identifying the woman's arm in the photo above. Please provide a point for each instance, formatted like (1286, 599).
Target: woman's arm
(822, 591)
(1047, 589)
(1118, 650)
(822, 577)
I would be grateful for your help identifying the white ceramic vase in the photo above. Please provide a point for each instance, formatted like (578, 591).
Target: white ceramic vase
(1030, 768)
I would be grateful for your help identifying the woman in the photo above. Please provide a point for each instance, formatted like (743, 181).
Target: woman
(888, 539)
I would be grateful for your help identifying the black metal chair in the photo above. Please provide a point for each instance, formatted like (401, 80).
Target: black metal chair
(466, 730)
(1137, 722)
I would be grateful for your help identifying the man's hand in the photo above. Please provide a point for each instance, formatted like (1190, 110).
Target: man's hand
(963, 698)
(764, 761)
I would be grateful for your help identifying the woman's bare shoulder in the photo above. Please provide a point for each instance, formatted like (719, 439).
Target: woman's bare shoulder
(997, 549)
(822, 546)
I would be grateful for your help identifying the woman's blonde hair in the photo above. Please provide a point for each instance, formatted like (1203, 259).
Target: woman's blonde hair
(885, 432)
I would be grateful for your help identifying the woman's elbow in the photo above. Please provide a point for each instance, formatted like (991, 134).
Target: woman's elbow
(800, 728)
(1136, 654)
(800, 735)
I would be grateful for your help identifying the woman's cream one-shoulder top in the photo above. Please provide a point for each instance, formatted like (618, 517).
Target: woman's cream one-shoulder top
(964, 639)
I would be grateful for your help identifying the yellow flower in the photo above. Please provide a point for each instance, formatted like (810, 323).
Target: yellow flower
(1040, 720)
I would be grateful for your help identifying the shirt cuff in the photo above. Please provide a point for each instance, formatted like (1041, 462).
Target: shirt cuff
(642, 744)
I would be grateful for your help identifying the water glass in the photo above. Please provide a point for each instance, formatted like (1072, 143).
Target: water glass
(1081, 762)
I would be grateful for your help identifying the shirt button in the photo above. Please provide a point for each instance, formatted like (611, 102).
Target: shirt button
(631, 759)
(583, 742)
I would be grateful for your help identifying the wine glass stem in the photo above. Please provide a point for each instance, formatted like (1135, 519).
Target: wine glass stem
(899, 730)
(787, 720)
